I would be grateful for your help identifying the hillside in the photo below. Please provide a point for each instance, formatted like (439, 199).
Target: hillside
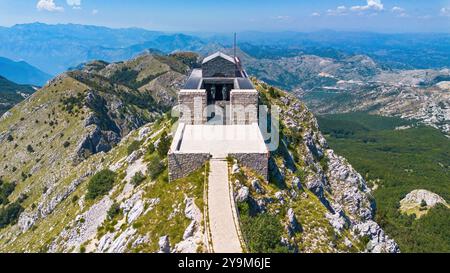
(404, 157)
(22, 72)
(84, 170)
(12, 93)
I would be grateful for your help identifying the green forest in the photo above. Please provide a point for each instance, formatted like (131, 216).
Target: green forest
(398, 161)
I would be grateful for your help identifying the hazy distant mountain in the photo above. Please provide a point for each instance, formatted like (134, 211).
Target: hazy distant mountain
(55, 48)
(22, 72)
(12, 93)
(405, 50)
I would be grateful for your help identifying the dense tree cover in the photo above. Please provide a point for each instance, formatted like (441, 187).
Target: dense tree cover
(100, 184)
(398, 161)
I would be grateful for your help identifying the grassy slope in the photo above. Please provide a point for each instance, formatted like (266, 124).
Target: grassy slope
(402, 160)
(155, 223)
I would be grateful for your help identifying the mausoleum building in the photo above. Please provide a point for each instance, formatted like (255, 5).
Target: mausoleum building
(218, 118)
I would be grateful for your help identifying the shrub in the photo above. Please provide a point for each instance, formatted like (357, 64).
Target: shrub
(10, 214)
(138, 178)
(164, 145)
(113, 211)
(5, 191)
(22, 198)
(100, 184)
(262, 232)
(423, 204)
(155, 167)
(66, 144)
(30, 149)
(151, 148)
(10, 138)
(75, 198)
(273, 93)
(133, 147)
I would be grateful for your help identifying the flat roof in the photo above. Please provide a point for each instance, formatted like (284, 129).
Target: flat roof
(245, 83)
(195, 81)
(219, 140)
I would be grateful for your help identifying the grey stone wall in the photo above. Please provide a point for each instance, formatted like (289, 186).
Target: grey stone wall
(187, 98)
(244, 102)
(183, 164)
(256, 162)
(219, 66)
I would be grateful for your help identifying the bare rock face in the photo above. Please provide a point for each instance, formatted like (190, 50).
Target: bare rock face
(338, 220)
(351, 194)
(193, 235)
(296, 183)
(256, 185)
(83, 228)
(293, 224)
(119, 245)
(164, 244)
(133, 207)
(416, 197)
(235, 168)
(46, 207)
(349, 188)
(379, 241)
(242, 195)
(95, 141)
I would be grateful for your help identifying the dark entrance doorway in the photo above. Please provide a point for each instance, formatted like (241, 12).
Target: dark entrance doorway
(218, 92)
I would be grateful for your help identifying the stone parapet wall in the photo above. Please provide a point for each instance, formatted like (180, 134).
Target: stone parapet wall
(244, 106)
(257, 162)
(183, 164)
(187, 98)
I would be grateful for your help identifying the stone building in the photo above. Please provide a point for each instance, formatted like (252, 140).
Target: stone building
(218, 118)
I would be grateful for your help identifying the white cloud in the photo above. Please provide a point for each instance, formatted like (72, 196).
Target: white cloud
(341, 10)
(48, 5)
(75, 4)
(401, 12)
(398, 9)
(315, 14)
(281, 17)
(445, 11)
(371, 5)
(94, 11)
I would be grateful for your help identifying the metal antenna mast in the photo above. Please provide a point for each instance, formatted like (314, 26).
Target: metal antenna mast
(235, 44)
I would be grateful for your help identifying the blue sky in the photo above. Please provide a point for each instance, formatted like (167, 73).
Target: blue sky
(235, 15)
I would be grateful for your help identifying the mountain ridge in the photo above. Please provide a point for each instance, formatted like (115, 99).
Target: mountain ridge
(22, 73)
(83, 125)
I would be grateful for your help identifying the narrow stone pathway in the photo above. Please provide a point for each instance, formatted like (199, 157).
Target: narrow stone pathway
(224, 235)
